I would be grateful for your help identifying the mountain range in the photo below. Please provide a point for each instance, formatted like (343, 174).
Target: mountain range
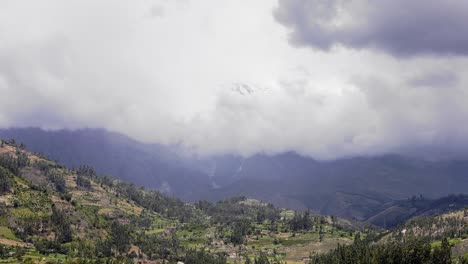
(359, 188)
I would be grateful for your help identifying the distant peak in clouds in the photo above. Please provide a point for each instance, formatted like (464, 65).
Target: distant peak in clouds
(221, 77)
(246, 88)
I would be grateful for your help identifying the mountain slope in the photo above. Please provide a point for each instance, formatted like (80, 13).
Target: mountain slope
(52, 214)
(356, 187)
(113, 154)
(360, 187)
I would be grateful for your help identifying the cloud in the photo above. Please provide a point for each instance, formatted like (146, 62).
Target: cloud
(220, 77)
(156, 11)
(401, 28)
(413, 120)
(437, 79)
(371, 115)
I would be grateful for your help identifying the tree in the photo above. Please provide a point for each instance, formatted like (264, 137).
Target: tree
(443, 253)
(239, 231)
(103, 248)
(262, 259)
(4, 252)
(22, 159)
(121, 236)
(10, 163)
(45, 246)
(86, 171)
(301, 221)
(58, 181)
(247, 259)
(6, 181)
(82, 181)
(321, 233)
(334, 221)
(62, 226)
(203, 257)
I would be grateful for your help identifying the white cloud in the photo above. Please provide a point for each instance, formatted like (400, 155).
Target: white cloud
(170, 79)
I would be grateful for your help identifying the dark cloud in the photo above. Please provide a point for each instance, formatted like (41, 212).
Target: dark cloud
(399, 27)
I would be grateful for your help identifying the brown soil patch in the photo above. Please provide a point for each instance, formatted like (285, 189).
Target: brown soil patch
(300, 252)
(33, 175)
(7, 150)
(6, 199)
(9, 242)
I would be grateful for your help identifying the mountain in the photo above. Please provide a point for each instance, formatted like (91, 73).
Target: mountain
(52, 214)
(398, 212)
(424, 239)
(150, 165)
(355, 187)
(359, 188)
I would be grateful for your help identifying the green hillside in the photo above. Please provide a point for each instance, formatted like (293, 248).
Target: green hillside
(53, 214)
(423, 239)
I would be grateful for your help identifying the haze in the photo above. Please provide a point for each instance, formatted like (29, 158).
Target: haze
(326, 79)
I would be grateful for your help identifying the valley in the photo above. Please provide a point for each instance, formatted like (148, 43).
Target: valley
(234, 132)
(53, 214)
(360, 188)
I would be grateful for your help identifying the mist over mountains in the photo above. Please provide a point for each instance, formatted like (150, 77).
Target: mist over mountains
(167, 131)
(358, 187)
(114, 155)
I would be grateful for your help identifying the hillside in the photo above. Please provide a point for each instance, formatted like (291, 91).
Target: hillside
(359, 188)
(114, 154)
(397, 212)
(52, 214)
(434, 239)
(451, 227)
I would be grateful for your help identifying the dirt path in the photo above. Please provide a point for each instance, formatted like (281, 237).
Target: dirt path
(9, 242)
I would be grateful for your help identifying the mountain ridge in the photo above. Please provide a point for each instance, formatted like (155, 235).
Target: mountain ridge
(355, 187)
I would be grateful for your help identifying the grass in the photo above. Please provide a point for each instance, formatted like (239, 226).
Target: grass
(452, 242)
(21, 181)
(262, 242)
(155, 231)
(455, 241)
(31, 204)
(5, 232)
(106, 211)
(193, 237)
(287, 214)
(3, 220)
(293, 242)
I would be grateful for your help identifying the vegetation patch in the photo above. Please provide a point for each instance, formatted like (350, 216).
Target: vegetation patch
(5, 232)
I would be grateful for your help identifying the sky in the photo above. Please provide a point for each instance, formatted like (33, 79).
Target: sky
(324, 78)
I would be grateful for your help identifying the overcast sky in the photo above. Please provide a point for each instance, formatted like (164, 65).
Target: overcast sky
(325, 78)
